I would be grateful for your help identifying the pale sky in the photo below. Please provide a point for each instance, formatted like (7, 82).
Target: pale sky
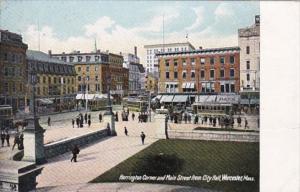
(118, 26)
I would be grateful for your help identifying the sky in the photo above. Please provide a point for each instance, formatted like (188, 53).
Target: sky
(118, 26)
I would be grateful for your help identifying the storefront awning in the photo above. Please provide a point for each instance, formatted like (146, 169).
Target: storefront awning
(79, 96)
(45, 101)
(167, 98)
(232, 99)
(157, 97)
(206, 98)
(180, 98)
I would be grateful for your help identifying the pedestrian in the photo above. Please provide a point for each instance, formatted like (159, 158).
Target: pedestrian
(133, 115)
(100, 117)
(89, 122)
(75, 152)
(125, 131)
(239, 121)
(77, 122)
(89, 116)
(7, 137)
(257, 122)
(143, 136)
(16, 141)
(246, 123)
(73, 122)
(49, 121)
(85, 118)
(117, 116)
(2, 138)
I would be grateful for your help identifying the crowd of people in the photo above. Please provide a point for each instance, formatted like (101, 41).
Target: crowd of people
(84, 119)
(223, 121)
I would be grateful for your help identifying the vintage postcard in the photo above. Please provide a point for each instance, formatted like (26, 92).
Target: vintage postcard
(130, 96)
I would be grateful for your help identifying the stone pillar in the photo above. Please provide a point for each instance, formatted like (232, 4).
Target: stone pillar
(18, 176)
(110, 118)
(34, 142)
(160, 124)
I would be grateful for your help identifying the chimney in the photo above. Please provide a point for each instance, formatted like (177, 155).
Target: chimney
(257, 19)
(135, 50)
(49, 53)
(200, 47)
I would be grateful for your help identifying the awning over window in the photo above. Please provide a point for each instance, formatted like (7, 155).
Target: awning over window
(206, 98)
(157, 97)
(180, 98)
(234, 99)
(45, 101)
(167, 98)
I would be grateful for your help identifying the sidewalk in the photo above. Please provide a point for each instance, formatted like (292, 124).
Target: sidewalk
(93, 161)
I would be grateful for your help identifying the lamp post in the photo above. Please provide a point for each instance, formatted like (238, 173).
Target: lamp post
(34, 133)
(149, 105)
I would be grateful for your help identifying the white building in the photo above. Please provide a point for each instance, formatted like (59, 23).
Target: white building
(151, 61)
(136, 73)
(249, 43)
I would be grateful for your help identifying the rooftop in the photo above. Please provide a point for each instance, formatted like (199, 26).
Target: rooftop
(201, 51)
(169, 45)
(41, 56)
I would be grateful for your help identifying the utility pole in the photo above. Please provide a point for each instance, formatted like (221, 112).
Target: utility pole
(149, 104)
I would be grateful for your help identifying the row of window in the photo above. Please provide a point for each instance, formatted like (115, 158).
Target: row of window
(212, 61)
(202, 74)
(86, 58)
(206, 87)
(55, 80)
(13, 57)
(12, 71)
(170, 49)
(13, 86)
(52, 68)
(51, 91)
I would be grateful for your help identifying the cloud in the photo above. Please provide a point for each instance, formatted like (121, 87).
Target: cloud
(224, 10)
(199, 11)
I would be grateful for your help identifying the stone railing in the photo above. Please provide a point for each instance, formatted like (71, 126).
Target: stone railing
(66, 145)
(61, 147)
(215, 135)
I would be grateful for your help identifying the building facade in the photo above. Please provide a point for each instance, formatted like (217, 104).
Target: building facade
(200, 71)
(136, 73)
(96, 70)
(249, 43)
(151, 60)
(55, 82)
(12, 70)
(151, 84)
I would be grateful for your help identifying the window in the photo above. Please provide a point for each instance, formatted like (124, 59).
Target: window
(5, 71)
(79, 87)
(167, 75)
(6, 87)
(87, 78)
(212, 73)
(44, 79)
(79, 78)
(248, 77)
(167, 63)
(49, 80)
(97, 58)
(71, 59)
(248, 65)
(175, 62)
(88, 58)
(5, 56)
(87, 69)
(64, 59)
(222, 60)
(212, 85)
(96, 78)
(175, 75)
(193, 61)
(247, 50)
(96, 68)
(222, 74)
(231, 59)
(222, 88)
(212, 60)
(183, 74)
(79, 58)
(183, 61)
(202, 61)
(202, 74)
(231, 72)
(202, 87)
(193, 74)
(232, 88)
(54, 80)
(21, 87)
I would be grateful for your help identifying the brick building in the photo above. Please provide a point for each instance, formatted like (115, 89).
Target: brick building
(12, 70)
(55, 86)
(200, 71)
(96, 69)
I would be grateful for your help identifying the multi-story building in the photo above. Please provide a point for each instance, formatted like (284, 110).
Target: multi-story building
(249, 43)
(200, 71)
(151, 59)
(96, 70)
(136, 73)
(151, 83)
(55, 81)
(12, 70)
